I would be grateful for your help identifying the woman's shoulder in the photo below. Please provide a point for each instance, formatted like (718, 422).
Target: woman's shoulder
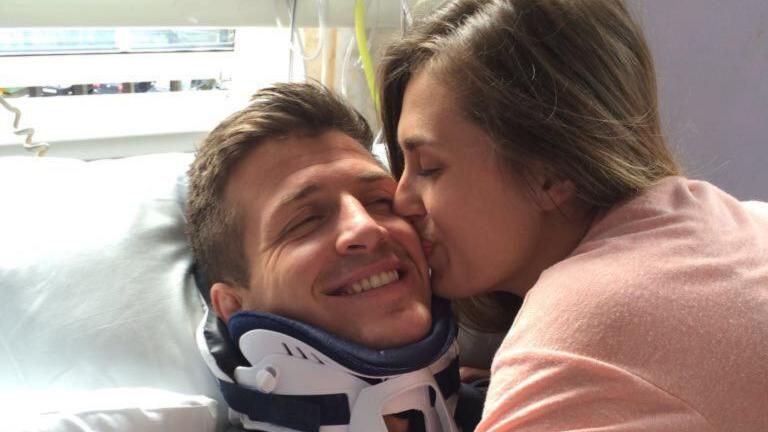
(674, 207)
(664, 236)
(660, 280)
(677, 239)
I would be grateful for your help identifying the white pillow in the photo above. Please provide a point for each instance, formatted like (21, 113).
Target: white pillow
(95, 276)
(109, 410)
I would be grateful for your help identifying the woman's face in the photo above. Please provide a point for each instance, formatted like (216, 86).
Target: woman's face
(479, 224)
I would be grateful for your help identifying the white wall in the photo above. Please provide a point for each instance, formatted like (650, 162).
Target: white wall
(712, 63)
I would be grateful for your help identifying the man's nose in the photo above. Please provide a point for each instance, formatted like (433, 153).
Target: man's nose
(408, 202)
(358, 231)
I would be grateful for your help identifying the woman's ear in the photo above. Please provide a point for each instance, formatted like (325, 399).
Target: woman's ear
(226, 300)
(559, 194)
(552, 192)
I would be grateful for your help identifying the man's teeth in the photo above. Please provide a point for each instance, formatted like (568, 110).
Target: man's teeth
(374, 281)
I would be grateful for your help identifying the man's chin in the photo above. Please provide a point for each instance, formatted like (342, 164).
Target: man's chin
(407, 329)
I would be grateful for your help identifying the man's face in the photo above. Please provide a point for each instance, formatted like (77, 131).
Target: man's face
(323, 244)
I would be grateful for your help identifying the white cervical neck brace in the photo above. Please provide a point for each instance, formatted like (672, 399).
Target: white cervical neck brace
(286, 376)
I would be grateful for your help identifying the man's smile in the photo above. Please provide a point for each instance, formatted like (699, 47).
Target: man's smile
(369, 283)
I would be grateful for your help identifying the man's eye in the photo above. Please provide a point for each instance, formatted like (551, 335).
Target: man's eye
(380, 204)
(303, 223)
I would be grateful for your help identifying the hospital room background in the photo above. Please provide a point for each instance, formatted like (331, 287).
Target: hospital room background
(103, 103)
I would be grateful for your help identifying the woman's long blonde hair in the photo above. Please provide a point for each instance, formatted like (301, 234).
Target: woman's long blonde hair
(567, 84)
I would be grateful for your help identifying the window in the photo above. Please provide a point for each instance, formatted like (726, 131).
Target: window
(49, 42)
(120, 40)
(162, 86)
(118, 80)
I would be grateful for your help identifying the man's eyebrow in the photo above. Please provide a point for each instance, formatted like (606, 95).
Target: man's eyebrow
(373, 176)
(312, 188)
(298, 195)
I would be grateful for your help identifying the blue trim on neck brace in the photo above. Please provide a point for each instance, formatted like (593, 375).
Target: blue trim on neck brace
(306, 413)
(361, 359)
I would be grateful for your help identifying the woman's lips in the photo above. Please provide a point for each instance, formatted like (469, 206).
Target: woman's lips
(426, 246)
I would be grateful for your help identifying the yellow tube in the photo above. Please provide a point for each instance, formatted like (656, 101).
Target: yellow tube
(365, 54)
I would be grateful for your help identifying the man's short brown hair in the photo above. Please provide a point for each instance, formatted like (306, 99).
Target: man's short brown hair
(287, 109)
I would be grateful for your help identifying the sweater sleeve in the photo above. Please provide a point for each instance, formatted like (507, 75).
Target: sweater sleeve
(543, 390)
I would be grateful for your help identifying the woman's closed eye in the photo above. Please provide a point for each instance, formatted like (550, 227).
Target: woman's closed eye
(428, 172)
(427, 166)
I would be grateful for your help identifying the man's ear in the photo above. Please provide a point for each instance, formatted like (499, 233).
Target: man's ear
(226, 300)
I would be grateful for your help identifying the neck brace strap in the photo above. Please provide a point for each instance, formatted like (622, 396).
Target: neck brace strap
(284, 375)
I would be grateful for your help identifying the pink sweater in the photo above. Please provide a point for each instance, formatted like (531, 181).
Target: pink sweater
(658, 321)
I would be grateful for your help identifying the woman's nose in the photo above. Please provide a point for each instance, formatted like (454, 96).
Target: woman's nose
(358, 231)
(408, 202)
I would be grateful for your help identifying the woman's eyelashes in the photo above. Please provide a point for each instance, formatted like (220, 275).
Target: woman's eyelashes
(425, 167)
(428, 172)
(428, 168)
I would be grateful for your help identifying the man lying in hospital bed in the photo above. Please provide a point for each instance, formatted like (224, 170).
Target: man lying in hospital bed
(323, 289)
(100, 309)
